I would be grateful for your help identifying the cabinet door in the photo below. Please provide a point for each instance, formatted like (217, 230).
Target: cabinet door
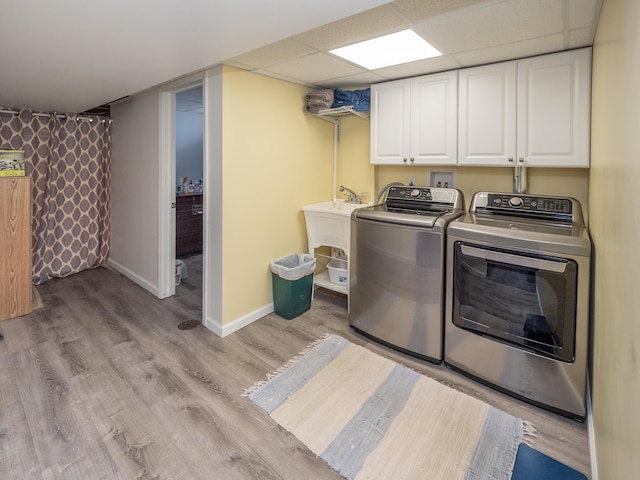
(390, 123)
(554, 105)
(487, 115)
(434, 119)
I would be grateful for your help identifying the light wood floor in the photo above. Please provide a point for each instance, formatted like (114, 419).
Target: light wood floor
(101, 384)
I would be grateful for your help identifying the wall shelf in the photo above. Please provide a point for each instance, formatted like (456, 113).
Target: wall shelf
(333, 115)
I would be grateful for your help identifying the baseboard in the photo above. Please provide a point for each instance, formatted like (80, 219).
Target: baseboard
(133, 277)
(592, 438)
(228, 328)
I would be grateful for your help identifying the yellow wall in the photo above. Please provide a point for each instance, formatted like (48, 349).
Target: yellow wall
(615, 230)
(544, 181)
(275, 160)
(354, 170)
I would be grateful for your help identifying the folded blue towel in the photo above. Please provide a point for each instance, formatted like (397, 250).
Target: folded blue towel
(360, 100)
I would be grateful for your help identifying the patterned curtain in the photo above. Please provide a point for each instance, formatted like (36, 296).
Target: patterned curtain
(69, 159)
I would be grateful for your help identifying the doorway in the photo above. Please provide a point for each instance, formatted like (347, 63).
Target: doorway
(211, 83)
(189, 210)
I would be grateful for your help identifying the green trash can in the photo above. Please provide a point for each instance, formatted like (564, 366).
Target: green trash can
(292, 278)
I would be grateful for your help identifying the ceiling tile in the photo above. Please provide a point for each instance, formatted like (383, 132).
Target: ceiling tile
(430, 65)
(582, 13)
(274, 53)
(526, 48)
(361, 80)
(419, 10)
(580, 38)
(296, 79)
(493, 25)
(315, 68)
(369, 24)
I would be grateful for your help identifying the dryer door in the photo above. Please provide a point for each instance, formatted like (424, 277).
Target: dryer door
(524, 300)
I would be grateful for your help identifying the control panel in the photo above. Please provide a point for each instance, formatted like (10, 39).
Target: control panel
(418, 195)
(559, 208)
(531, 203)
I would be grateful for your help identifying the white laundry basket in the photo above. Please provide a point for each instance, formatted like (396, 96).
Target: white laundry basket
(337, 271)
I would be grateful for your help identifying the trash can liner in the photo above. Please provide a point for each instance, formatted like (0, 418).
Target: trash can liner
(293, 267)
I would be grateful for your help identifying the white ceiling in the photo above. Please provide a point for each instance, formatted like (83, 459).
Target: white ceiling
(72, 55)
(467, 32)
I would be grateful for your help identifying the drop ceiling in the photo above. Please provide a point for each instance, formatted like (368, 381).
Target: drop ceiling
(467, 32)
(73, 55)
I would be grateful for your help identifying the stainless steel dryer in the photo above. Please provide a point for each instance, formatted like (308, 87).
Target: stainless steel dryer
(517, 301)
(397, 268)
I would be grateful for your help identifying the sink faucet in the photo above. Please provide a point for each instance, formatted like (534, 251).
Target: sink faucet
(353, 196)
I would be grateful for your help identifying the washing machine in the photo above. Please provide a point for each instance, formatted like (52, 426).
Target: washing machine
(396, 290)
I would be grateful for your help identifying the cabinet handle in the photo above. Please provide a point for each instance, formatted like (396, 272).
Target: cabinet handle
(521, 160)
(404, 160)
(510, 159)
(412, 159)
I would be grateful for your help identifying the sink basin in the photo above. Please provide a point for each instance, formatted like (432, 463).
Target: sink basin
(339, 207)
(329, 224)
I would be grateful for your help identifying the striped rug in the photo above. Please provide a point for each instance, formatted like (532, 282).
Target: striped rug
(371, 418)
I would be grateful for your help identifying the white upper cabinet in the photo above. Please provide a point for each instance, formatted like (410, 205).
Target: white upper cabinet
(434, 119)
(487, 114)
(414, 121)
(390, 122)
(533, 112)
(554, 110)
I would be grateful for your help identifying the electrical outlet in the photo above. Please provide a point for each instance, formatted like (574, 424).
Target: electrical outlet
(412, 181)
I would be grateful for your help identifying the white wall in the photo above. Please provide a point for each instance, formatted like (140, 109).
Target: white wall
(134, 189)
(189, 145)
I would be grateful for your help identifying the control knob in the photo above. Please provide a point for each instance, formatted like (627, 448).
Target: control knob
(516, 202)
(415, 193)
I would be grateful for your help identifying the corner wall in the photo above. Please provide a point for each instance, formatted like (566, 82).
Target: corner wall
(615, 231)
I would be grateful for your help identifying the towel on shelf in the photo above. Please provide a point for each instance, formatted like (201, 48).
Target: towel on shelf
(318, 100)
(358, 99)
(325, 95)
(312, 108)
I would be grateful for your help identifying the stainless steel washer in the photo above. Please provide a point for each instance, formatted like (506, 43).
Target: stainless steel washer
(397, 268)
(517, 298)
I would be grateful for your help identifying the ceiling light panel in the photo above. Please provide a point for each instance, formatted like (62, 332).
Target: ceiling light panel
(394, 49)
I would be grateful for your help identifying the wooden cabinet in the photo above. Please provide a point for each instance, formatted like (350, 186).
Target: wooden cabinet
(15, 247)
(188, 224)
(414, 121)
(534, 112)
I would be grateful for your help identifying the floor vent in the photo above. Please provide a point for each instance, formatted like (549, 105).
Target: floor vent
(189, 324)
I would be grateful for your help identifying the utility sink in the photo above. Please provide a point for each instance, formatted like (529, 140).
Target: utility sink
(329, 224)
(339, 207)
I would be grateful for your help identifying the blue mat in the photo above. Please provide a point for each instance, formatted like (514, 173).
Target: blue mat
(533, 465)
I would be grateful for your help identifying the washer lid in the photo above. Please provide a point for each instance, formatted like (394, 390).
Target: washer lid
(436, 219)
